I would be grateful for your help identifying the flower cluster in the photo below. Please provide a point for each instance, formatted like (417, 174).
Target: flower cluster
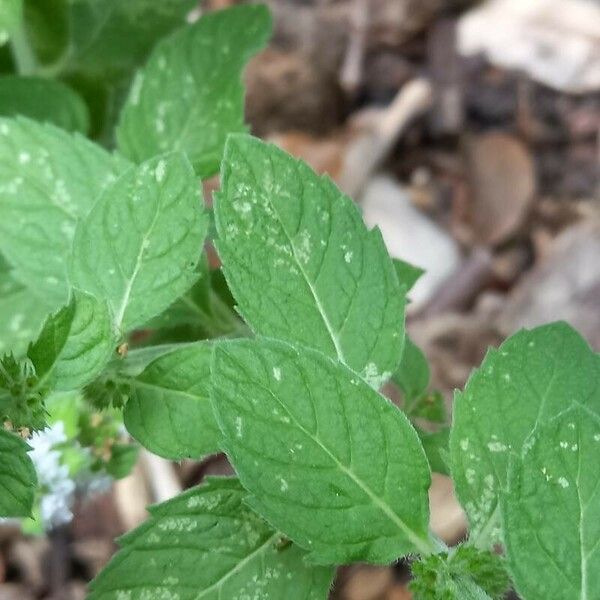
(56, 486)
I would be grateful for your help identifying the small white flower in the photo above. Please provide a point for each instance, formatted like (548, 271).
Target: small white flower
(53, 477)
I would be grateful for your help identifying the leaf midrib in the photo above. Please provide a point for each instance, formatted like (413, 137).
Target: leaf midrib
(120, 313)
(422, 545)
(155, 387)
(238, 567)
(583, 559)
(321, 310)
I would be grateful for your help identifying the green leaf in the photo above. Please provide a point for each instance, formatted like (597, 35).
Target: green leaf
(138, 359)
(551, 512)
(94, 45)
(139, 246)
(21, 313)
(463, 574)
(48, 180)
(435, 445)
(190, 94)
(533, 376)
(17, 476)
(99, 39)
(301, 263)
(74, 345)
(169, 409)
(412, 376)
(11, 12)
(327, 459)
(206, 544)
(407, 274)
(108, 36)
(43, 100)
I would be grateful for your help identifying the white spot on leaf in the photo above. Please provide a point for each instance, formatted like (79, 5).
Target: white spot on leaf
(470, 476)
(496, 446)
(16, 322)
(159, 171)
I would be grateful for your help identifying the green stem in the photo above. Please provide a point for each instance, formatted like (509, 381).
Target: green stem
(437, 544)
(56, 68)
(22, 52)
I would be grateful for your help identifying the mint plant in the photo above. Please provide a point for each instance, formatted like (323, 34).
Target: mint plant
(96, 243)
(112, 317)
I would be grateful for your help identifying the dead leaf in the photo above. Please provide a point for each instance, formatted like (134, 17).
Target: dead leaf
(502, 178)
(565, 285)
